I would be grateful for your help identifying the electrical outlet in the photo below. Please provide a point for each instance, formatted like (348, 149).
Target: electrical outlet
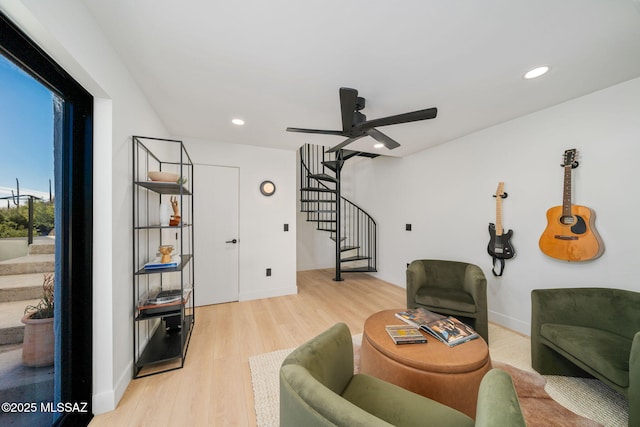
(286, 227)
(268, 272)
(408, 227)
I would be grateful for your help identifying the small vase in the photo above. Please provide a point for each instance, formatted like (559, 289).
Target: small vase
(165, 213)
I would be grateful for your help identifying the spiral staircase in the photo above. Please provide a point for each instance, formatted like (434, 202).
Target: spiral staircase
(351, 228)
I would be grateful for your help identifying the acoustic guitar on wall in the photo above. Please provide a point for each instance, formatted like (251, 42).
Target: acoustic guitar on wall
(570, 234)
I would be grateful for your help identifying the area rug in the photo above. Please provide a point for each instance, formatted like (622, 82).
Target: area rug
(538, 395)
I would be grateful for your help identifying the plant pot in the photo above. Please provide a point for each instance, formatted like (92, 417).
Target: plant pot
(38, 347)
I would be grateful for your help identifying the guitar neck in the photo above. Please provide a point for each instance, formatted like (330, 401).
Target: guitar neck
(499, 229)
(566, 194)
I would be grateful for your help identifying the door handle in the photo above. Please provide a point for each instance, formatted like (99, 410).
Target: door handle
(234, 241)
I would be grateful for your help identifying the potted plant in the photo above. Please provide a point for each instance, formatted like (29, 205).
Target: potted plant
(38, 344)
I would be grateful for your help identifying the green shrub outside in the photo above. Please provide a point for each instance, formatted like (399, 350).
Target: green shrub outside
(14, 220)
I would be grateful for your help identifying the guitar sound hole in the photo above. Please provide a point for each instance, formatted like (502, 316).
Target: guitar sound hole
(567, 220)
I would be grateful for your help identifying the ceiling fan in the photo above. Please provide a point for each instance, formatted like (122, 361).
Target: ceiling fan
(355, 124)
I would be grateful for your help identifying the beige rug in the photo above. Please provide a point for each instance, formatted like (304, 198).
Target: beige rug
(588, 398)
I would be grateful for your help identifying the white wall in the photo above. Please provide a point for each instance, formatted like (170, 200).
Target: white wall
(263, 241)
(315, 249)
(446, 194)
(67, 31)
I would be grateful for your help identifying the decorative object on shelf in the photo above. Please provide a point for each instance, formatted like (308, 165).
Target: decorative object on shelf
(165, 250)
(163, 176)
(267, 188)
(39, 341)
(175, 218)
(499, 245)
(165, 214)
(570, 234)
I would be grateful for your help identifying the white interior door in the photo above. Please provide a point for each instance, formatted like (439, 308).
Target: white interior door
(216, 239)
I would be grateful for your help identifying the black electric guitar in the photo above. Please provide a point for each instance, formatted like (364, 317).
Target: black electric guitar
(500, 247)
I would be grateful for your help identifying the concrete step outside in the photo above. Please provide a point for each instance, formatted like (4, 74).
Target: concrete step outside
(17, 287)
(11, 328)
(41, 263)
(42, 246)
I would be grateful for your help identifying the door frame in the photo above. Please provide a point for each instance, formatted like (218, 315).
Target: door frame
(73, 222)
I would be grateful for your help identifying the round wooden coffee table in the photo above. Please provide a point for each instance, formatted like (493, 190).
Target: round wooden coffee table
(449, 375)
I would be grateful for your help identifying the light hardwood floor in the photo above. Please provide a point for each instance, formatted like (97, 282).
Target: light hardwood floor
(214, 387)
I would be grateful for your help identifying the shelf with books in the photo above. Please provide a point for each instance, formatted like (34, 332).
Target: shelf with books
(159, 305)
(163, 254)
(169, 267)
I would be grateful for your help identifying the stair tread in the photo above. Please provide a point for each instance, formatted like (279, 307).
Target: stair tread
(348, 248)
(12, 312)
(358, 270)
(331, 164)
(30, 258)
(354, 258)
(317, 201)
(321, 220)
(42, 245)
(319, 189)
(27, 264)
(323, 177)
(318, 210)
(12, 281)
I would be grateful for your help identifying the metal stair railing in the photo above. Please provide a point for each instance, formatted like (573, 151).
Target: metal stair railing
(352, 228)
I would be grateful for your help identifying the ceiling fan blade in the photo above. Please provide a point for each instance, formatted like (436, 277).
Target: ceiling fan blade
(324, 132)
(382, 138)
(414, 116)
(343, 144)
(348, 99)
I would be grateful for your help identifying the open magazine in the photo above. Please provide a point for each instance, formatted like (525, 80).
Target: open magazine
(447, 329)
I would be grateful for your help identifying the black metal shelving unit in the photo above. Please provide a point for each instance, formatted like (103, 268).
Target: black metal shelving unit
(161, 331)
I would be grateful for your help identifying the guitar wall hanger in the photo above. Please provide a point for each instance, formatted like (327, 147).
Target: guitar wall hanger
(574, 164)
(503, 196)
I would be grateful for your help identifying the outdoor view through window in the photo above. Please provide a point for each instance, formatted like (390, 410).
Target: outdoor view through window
(26, 244)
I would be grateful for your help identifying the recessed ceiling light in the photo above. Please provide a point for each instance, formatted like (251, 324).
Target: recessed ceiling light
(378, 145)
(238, 122)
(536, 72)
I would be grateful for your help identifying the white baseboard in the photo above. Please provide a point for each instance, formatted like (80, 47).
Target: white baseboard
(108, 400)
(510, 322)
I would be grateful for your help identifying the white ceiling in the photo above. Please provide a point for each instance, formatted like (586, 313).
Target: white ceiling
(280, 63)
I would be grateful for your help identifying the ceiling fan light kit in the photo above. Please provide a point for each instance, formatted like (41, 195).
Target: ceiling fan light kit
(355, 124)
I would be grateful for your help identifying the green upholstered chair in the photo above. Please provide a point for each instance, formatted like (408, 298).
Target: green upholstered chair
(453, 288)
(584, 332)
(318, 388)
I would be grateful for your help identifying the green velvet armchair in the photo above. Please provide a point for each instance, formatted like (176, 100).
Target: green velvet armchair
(318, 388)
(585, 332)
(453, 288)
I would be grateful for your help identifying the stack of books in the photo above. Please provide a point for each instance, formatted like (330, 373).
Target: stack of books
(447, 329)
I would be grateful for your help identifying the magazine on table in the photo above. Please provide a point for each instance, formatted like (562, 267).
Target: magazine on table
(405, 334)
(447, 329)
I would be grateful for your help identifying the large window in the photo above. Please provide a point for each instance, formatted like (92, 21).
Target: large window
(72, 109)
